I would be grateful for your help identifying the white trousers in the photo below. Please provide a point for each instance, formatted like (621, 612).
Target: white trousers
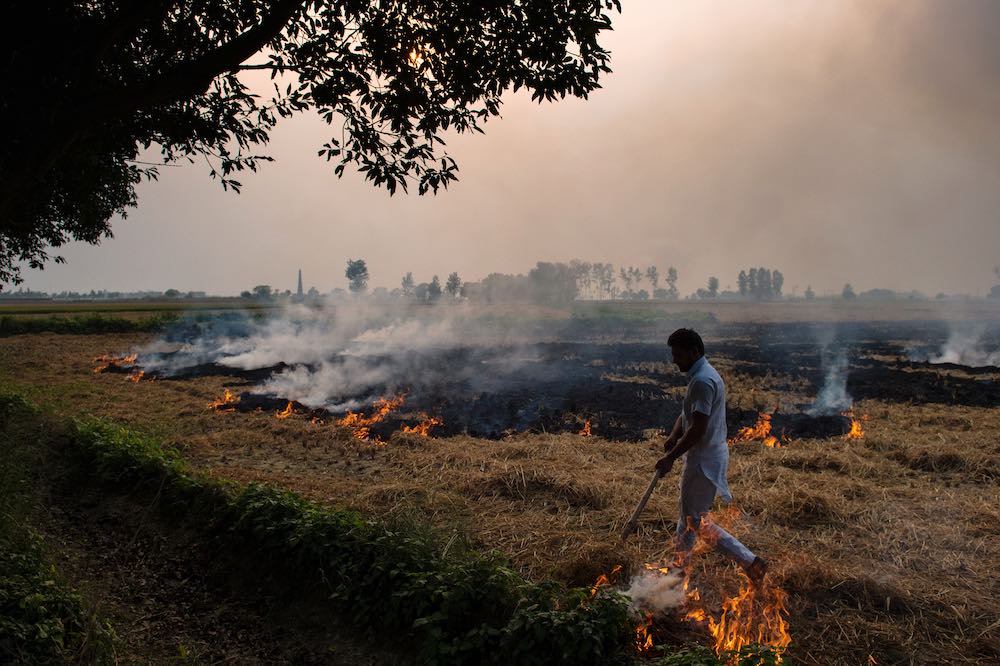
(696, 498)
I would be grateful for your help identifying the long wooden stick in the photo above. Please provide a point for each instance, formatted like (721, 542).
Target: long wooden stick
(634, 520)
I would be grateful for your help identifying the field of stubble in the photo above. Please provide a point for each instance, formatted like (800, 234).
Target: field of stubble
(888, 545)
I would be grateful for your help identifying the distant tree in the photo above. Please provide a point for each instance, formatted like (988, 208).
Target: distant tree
(172, 293)
(262, 291)
(744, 284)
(407, 284)
(454, 285)
(434, 289)
(582, 274)
(636, 274)
(246, 294)
(672, 292)
(810, 294)
(765, 289)
(313, 292)
(713, 287)
(848, 292)
(653, 275)
(642, 295)
(552, 283)
(777, 282)
(357, 275)
(626, 276)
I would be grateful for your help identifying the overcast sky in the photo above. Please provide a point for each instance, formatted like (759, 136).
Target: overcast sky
(836, 140)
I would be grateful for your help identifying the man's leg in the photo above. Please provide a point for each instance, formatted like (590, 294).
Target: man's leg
(696, 497)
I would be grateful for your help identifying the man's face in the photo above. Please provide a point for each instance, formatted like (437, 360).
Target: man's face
(684, 358)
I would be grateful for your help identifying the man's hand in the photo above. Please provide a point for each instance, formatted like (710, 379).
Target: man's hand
(665, 464)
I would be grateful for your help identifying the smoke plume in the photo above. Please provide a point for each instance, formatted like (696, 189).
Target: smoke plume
(966, 346)
(833, 397)
(656, 592)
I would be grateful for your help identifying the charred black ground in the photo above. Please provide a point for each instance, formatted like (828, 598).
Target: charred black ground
(625, 390)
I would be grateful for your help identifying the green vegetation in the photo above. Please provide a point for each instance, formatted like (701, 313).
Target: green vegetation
(86, 324)
(453, 605)
(42, 620)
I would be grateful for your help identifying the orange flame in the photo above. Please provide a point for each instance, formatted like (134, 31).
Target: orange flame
(644, 639)
(605, 580)
(225, 403)
(585, 431)
(857, 430)
(105, 361)
(136, 376)
(424, 427)
(286, 412)
(761, 430)
(361, 425)
(754, 616)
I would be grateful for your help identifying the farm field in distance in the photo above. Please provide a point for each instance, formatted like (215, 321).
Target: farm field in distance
(887, 544)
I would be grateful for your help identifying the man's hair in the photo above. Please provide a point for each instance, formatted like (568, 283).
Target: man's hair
(686, 339)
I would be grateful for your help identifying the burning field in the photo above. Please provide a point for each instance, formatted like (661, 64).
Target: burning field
(864, 467)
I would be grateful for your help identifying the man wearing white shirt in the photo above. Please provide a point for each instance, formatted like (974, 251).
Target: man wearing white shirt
(699, 435)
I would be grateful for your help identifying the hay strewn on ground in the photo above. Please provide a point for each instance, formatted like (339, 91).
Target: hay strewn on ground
(889, 546)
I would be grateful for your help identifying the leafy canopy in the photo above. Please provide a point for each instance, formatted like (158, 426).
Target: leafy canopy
(90, 84)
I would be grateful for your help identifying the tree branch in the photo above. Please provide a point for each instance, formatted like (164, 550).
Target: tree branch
(193, 78)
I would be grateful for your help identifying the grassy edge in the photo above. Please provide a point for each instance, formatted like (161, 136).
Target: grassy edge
(84, 324)
(389, 578)
(42, 618)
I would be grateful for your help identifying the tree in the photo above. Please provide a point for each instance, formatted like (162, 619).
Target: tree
(744, 283)
(116, 78)
(552, 283)
(672, 292)
(713, 287)
(848, 292)
(810, 294)
(454, 285)
(434, 289)
(171, 293)
(653, 275)
(357, 275)
(262, 291)
(777, 282)
(407, 284)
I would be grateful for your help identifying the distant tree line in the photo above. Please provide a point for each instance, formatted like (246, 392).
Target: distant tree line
(98, 295)
(760, 284)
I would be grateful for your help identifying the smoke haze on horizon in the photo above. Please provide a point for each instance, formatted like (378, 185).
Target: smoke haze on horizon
(850, 141)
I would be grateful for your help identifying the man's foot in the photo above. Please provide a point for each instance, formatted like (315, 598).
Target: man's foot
(756, 571)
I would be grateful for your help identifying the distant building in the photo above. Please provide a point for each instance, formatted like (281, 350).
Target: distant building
(298, 292)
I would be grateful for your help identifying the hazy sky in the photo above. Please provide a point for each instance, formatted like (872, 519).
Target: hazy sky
(836, 140)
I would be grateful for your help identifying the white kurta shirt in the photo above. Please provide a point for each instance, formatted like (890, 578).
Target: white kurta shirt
(706, 393)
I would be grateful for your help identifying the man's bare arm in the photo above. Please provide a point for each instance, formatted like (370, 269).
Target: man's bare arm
(675, 434)
(691, 436)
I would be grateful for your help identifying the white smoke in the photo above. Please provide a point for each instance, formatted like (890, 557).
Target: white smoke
(833, 397)
(340, 356)
(656, 592)
(965, 347)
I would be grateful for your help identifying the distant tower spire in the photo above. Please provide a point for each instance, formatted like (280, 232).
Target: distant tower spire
(299, 292)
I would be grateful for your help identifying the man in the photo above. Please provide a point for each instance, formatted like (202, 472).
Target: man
(699, 434)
